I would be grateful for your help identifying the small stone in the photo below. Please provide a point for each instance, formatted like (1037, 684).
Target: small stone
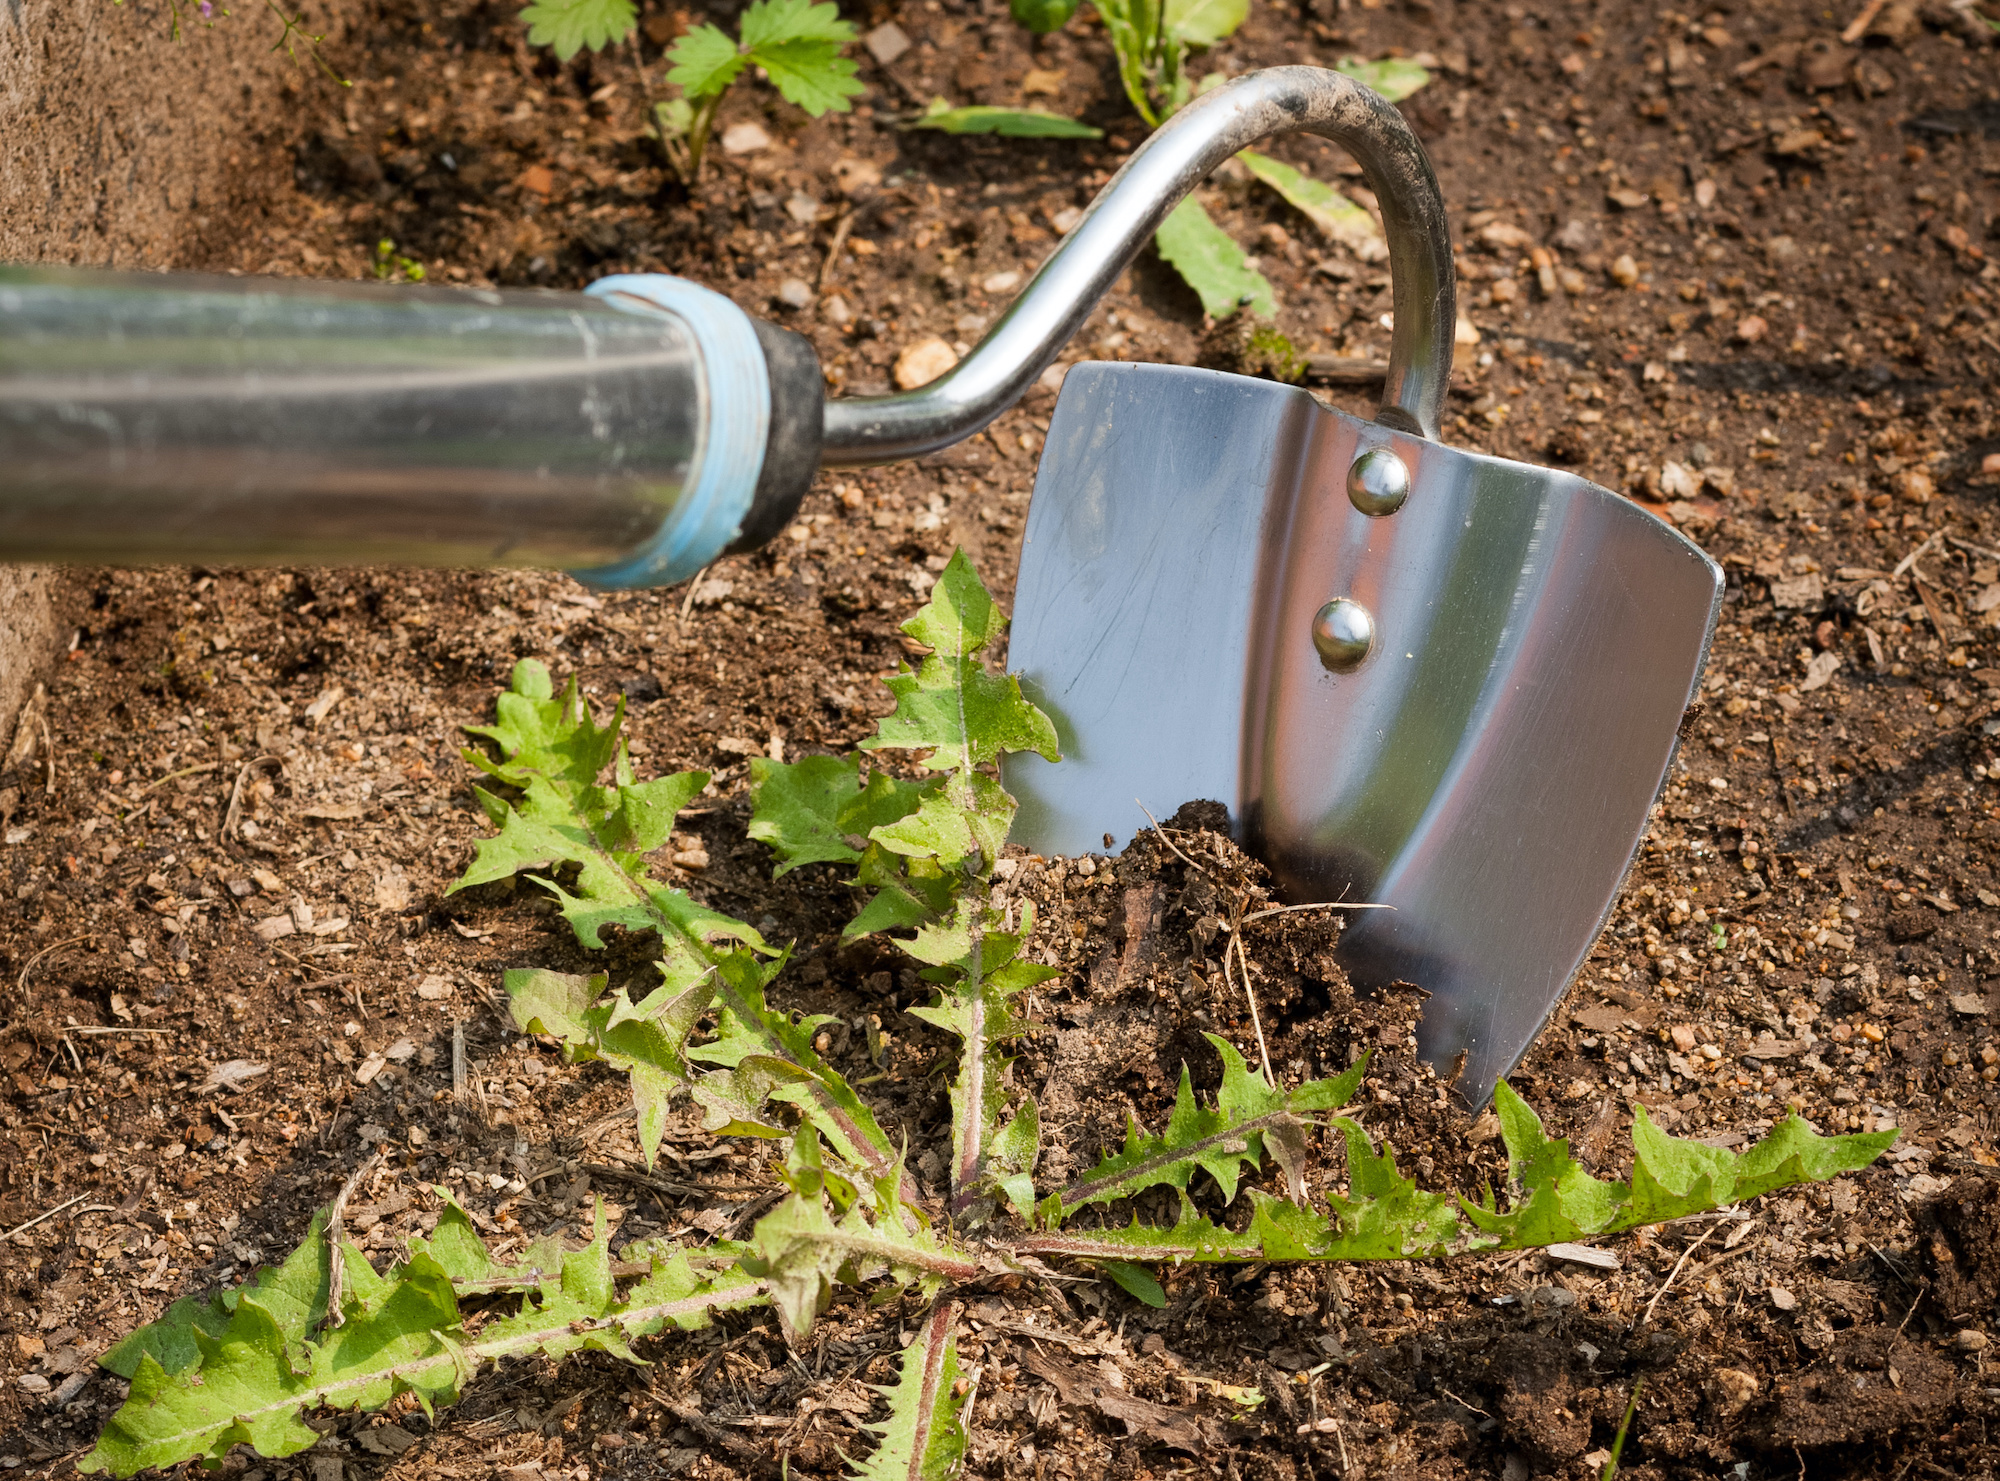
(886, 42)
(1970, 1340)
(1704, 193)
(1683, 1037)
(1504, 236)
(745, 138)
(538, 180)
(1735, 1387)
(1915, 486)
(795, 293)
(435, 989)
(923, 362)
(33, 1383)
(837, 312)
(1783, 1299)
(1624, 271)
(1042, 83)
(1005, 282)
(1626, 198)
(802, 208)
(1065, 220)
(1751, 328)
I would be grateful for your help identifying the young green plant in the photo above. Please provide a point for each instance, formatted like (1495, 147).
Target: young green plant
(571, 816)
(795, 44)
(1153, 41)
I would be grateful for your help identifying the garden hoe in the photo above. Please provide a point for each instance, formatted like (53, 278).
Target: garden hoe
(1418, 678)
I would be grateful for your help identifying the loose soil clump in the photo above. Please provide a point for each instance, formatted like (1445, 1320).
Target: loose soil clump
(234, 973)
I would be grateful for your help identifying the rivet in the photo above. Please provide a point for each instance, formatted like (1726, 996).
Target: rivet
(1344, 633)
(1378, 482)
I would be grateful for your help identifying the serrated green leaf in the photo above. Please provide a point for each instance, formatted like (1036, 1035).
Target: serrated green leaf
(950, 706)
(773, 22)
(806, 810)
(1192, 1239)
(1395, 78)
(798, 806)
(801, 1251)
(1136, 1281)
(1558, 1200)
(923, 1438)
(975, 987)
(565, 818)
(294, 1294)
(1339, 219)
(1216, 1139)
(647, 1040)
(1383, 1215)
(1010, 123)
(705, 61)
(401, 1333)
(770, 1057)
(1204, 22)
(1555, 1200)
(1672, 1176)
(567, 26)
(1211, 263)
(812, 75)
(893, 908)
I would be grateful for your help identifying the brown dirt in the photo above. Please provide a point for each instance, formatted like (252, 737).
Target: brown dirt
(1815, 340)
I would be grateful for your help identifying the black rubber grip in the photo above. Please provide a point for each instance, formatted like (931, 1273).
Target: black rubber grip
(798, 421)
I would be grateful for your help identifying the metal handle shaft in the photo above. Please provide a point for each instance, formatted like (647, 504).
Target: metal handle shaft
(1123, 218)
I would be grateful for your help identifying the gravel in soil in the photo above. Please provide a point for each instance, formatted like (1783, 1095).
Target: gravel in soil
(233, 972)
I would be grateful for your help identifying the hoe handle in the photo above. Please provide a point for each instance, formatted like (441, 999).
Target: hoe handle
(1123, 218)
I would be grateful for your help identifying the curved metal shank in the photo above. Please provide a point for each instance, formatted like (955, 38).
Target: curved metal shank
(1061, 295)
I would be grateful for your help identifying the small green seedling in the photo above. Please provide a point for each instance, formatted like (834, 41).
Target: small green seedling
(1154, 41)
(571, 815)
(795, 43)
(392, 267)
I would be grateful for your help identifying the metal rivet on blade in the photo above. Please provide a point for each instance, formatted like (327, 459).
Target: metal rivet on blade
(1343, 632)
(1378, 482)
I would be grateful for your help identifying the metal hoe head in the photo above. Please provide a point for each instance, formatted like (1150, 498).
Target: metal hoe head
(1418, 677)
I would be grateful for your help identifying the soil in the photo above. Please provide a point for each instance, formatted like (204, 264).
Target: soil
(1772, 320)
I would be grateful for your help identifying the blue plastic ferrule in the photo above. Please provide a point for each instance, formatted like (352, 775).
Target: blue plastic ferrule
(735, 426)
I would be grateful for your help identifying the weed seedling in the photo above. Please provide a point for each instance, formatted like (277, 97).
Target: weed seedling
(571, 815)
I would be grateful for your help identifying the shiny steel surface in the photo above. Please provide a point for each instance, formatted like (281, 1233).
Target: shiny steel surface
(1378, 483)
(1487, 772)
(153, 419)
(1343, 634)
(1121, 221)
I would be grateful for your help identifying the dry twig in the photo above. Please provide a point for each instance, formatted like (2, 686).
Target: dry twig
(42, 1218)
(1858, 27)
(1168, 841)
(1236, 945)
(335, 1232)
(22, 983)
(1648, 1316)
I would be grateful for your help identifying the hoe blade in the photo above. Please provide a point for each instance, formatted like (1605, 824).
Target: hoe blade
(1487, 771)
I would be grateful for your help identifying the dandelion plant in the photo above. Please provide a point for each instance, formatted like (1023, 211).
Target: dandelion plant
(922, 842)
